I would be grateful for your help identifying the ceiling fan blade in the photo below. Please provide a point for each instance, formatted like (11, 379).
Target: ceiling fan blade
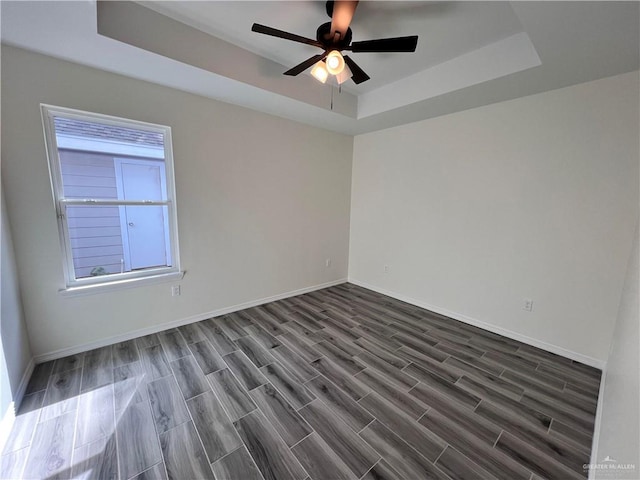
(298, 69)
(358, 74)
(343, 11)
(396, 44)
(274, 32)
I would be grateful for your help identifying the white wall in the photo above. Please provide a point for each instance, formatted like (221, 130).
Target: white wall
(261, 204)
(531, 198)
(14, 348)
(619, 434)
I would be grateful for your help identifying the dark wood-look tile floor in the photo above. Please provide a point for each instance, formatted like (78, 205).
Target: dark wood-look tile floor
(341, 383)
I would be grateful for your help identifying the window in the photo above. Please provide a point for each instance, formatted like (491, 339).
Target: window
(113, 188)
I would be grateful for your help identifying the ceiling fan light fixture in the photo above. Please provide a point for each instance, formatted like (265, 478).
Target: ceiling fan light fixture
(335, 62)
(344, 75)
(319, 72)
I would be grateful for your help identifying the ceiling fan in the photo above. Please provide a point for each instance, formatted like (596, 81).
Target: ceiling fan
(335, 37)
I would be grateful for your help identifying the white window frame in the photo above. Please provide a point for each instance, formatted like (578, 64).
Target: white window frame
(117, 280)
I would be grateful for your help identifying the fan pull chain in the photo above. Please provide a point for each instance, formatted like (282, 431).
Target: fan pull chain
(331, 96)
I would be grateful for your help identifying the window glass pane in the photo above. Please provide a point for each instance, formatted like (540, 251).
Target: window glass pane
(107, 240)
(99, 161)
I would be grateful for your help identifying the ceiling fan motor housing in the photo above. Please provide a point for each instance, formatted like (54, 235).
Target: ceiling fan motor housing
(331, 43)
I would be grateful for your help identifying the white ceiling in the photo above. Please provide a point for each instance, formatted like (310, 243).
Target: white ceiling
(445, 29)
(469, 53)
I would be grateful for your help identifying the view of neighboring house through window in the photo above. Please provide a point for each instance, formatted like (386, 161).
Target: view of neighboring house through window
(113, 186)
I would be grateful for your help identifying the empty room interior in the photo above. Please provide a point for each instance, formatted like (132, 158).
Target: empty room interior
(309, 240)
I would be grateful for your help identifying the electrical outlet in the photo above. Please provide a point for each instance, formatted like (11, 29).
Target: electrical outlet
(327, 262)
(175, 291)
(527, 304)
(386, 269)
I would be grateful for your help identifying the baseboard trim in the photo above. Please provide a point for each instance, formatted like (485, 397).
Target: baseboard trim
(549, 347)
(24, 381)
(10, 415)
(595, 441)
(63, 352)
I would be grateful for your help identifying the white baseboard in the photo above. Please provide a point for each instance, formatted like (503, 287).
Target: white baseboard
(24, 381)
(597, 425)
(549, 347)
(45, 357)
(10, 414)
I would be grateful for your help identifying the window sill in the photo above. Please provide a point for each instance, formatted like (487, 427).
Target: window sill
(120, 284)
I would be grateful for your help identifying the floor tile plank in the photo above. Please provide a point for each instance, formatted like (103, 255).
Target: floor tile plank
(540, 439)
(563, 412)
(456, 465)
(339, 357)
(342, 404)
(418, 437)
(295, 364)
(220, 341)
(157, 472)
(70, 362)
(382, 471)
(96, 418)
(174, 344)
(385, 355)
(12, 464)
(98, 459)
(245, 371)
(183, 454)
(62, 394)
(400, 456)
(147, 341)
(167, 405)
(216, 431)
(234, 399)
(425, 356)
(307, 352)
(295, 393)
(401, 400)
(388, 371)
(271, 455)
(192, 333)
(494, 461)
(320, 461)
(155, 363)
(138, 445)
(229, 326)
(237, 466)
(51, 448)
(208, 359)
(263, 337)
(124, 353)
(527, 455)
(351, 385)
(568, 434)
(25, 423)
(98, 369)
(345, 443)
(282, 416)
(458, 413)
(129, 385)
(190, 378)
(39, 378)
(254, 351)
(309, 337)
(532, 415)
